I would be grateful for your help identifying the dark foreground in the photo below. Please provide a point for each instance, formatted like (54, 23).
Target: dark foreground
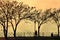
(31, 38)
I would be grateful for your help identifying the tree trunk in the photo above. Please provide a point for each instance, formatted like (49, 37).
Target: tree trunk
(14, 33)
(38, 31)
(34, 25)
(35, 31)
(6, 35)
(6, 30)
(58, 31)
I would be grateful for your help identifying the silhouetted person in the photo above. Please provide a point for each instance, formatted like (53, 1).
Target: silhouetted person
(36, 33)
(51, 34)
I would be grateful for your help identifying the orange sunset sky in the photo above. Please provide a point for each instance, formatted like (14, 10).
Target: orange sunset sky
(42, 4)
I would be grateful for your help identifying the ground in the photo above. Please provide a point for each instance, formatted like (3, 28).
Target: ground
(32, 38)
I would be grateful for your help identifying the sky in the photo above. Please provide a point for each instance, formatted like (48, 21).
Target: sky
(41, 4)
(46, 28)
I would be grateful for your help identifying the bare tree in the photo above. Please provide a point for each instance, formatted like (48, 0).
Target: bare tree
(2, 22)
(32, 17)
(40, 18)
(56, 18)
(18, 13)
(4, 18)
(15, 12)
(43, 18)
(15, 16)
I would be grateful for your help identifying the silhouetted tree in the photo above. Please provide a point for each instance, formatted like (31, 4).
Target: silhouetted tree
(13, 12)
(43, 18)
(56, 18)
(19, 12)
(40, 18)
(15, 15)
(32, 17)
(3, 23)
(4, 17)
